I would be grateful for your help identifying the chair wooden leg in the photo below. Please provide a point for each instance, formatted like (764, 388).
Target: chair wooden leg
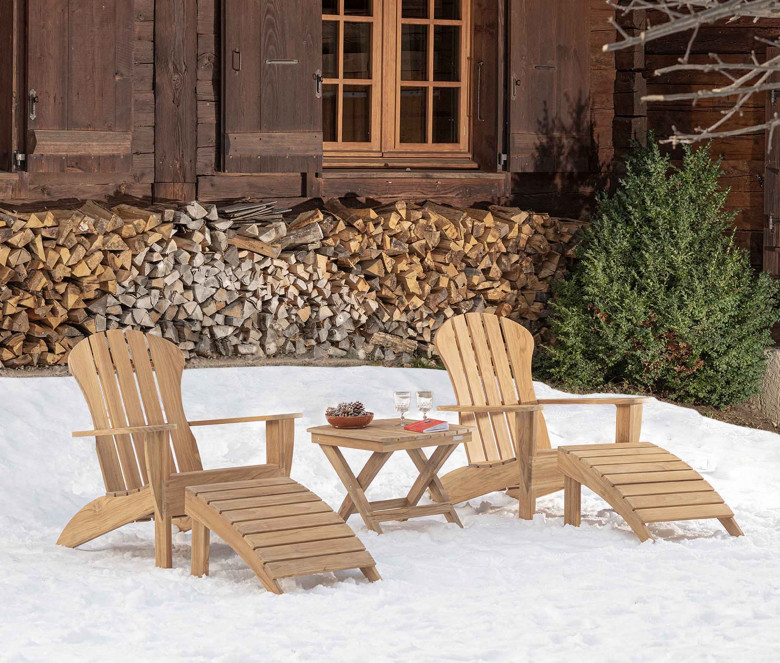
(163, 542)
(527, 506)
(572, 501)
(156, 451)
(730, 525)
(199, 563)
(526, 423)
(371, 573)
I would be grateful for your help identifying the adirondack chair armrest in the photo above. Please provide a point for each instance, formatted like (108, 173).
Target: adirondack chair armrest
(279, 435)
(627, 400)
(129, 430)
(489, 409)
(246, 420)
(628, 424)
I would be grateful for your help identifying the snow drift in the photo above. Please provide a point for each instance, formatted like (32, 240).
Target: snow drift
(500, 589)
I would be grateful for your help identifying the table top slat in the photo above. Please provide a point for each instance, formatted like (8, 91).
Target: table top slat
(387, 434)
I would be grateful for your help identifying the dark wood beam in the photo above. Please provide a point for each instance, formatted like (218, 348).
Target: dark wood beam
(10, 75)
(175, 75)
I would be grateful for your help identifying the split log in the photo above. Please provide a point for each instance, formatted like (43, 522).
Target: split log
(372, 282)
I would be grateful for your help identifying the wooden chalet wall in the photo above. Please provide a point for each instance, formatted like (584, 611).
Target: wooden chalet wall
(177, 120)
(743, 156)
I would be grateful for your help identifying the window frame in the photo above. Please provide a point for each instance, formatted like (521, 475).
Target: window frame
(385, 147)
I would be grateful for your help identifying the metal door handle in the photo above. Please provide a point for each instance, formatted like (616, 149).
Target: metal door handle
(318, 84)
(515, 85)
(33, 96)
(236, 60)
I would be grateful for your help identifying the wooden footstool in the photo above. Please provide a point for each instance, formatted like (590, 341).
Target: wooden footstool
(643, 483)
(277, 526)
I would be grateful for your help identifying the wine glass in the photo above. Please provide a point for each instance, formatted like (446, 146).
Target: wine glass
(402, 399)
(425, 402)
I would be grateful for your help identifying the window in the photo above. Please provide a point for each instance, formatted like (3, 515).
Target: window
(395, 80)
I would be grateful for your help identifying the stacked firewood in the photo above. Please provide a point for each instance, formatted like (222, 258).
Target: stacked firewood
(427, 263)
(251, 279)
(53, 264)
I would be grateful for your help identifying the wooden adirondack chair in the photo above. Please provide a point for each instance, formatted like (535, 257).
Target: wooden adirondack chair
(146, 450)
(489, 363)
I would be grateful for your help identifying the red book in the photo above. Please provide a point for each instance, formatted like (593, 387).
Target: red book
(428, 426)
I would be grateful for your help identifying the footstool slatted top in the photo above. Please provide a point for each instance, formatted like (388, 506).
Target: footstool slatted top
(279, 527)
(643, 482)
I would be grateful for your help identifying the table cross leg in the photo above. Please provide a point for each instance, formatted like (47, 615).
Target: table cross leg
(350, 481)
(429, 470)
(375, 463)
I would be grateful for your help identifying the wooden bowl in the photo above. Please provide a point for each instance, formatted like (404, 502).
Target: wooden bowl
(351, 422)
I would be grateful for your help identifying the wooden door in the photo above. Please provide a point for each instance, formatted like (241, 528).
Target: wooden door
(772, 182)
(79, 85)
(272, 116)
(550, 127)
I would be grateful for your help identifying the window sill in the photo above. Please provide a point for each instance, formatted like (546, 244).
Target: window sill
(400, 163)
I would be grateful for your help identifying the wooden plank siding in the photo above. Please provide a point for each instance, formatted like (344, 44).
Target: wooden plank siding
(187, 151)
(175, 67)
(743, 156)
(572, 194)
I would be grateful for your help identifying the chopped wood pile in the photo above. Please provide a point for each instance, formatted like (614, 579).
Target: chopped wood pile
(250, 279)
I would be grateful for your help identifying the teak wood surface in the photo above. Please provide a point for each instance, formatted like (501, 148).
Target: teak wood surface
(277, 526)
(643, 483)
(489, 363)
(384, 437)
(148, 458)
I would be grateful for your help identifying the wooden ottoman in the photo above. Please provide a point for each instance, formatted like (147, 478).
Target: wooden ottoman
(277, 526)
(643, 483)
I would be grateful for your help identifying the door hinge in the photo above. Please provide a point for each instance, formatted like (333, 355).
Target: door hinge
(502, 159)
(20, 160)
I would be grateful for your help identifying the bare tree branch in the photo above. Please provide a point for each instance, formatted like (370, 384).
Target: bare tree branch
(741, 81)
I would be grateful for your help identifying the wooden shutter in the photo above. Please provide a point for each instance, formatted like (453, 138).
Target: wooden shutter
(79, 101)
(272, 114)
(550, 126)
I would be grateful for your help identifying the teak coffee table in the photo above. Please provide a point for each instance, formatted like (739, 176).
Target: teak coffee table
(384, 437)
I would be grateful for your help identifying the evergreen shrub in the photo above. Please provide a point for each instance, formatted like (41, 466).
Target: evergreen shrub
(661, 298)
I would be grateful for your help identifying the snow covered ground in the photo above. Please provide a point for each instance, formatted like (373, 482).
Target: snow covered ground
(499, 590)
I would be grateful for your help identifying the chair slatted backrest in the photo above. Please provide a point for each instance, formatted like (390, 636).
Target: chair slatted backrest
(489, 363)
(133, 379)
